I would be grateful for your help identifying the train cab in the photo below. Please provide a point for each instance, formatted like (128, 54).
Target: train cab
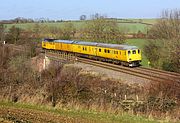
(134, 57)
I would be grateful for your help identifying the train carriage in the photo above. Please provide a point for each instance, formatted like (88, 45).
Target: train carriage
(84, 48)
(64, 45)
(48, 44)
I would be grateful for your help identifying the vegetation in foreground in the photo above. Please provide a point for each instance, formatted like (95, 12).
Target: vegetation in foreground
(69, 115)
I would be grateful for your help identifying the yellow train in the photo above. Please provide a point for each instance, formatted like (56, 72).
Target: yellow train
(122, 54)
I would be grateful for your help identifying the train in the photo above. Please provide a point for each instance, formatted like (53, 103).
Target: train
(125, 55)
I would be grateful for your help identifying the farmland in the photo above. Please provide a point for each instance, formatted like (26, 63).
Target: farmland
(130, 25)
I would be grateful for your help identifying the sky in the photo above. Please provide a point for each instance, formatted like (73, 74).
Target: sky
(73, 9)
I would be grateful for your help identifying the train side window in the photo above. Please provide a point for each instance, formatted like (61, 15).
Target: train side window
(134, 52)
(120, 52)
(99, 50)
(105, 50)
(138, 51)
(108, 51)
(129, 52)
(85, 49)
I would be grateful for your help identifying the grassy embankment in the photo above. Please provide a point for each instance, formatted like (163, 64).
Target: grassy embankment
(92, 116)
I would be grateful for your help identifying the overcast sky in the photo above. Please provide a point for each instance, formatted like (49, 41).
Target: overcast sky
(72, 9)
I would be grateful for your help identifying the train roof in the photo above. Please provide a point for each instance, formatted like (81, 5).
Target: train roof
(117, 46)
(64, 41)
(86, 43)
(48, 39)
(113, 46)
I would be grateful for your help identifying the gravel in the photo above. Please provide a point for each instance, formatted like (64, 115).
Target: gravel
(110, 74)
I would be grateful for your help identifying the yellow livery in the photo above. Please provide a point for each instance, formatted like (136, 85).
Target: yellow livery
(122, 54)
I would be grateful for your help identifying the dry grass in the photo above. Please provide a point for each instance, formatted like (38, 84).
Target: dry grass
(66, 87)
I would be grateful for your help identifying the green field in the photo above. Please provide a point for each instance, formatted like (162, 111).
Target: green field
(148, 21)
(129, 25)
(133, 27)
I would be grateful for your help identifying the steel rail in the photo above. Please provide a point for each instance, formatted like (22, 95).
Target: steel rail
(131, 71)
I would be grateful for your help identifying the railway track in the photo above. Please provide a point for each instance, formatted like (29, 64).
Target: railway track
(147, 73)
(160, 72)
(160, 77)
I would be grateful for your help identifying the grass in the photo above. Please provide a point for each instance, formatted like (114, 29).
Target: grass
(139, 43)
(130, 27)
(85, 114)
(133, 27)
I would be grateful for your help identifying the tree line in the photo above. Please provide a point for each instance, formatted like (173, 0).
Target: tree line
(163, 50)
(99, 30)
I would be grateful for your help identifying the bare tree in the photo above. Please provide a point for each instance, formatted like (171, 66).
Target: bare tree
(83, 17)
(166, 33)
(102, 30)
(2, 32)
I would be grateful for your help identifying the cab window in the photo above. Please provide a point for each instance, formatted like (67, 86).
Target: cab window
(134, 52)
(99, 50)
(129, 52)
(138, 51)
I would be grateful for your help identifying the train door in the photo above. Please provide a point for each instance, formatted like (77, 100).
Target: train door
(99, 51)
(94, 50)
(129, 55)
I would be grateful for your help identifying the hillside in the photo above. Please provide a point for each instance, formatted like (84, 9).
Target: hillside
(129, 25)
